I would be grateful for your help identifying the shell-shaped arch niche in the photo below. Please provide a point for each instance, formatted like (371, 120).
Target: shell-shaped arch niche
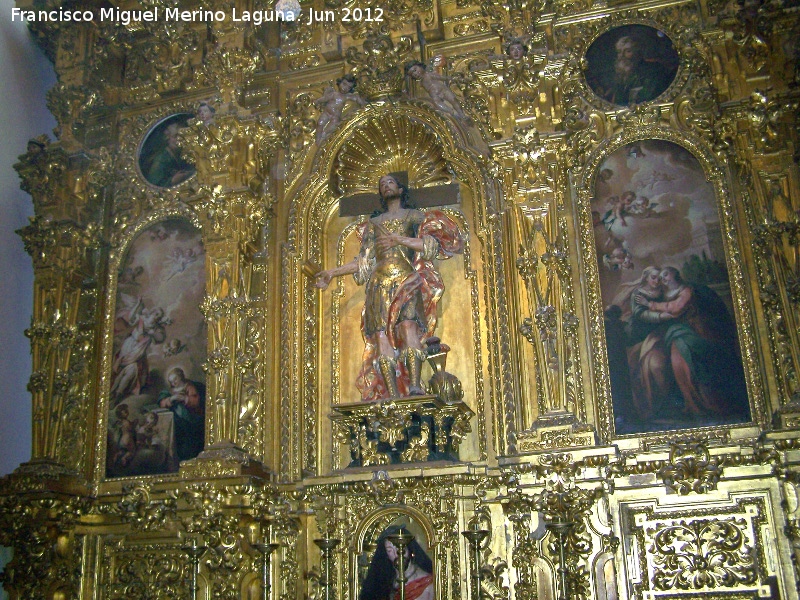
(386, 144)
(156, 407)
(380, 144)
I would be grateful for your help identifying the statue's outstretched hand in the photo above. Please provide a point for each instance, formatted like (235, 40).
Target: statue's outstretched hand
(323, 279)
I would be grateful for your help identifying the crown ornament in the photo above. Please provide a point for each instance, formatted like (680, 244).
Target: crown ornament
(378, 67)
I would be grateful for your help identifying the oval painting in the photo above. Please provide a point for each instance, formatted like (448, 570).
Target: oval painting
(673, 351)
(161, 160)
(631, 64)
(156, 415)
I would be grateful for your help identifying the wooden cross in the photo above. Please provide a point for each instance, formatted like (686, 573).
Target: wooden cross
(435, 195)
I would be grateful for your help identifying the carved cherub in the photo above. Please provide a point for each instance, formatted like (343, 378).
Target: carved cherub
(205, 112)
(516, 49)
(126, 436)
(438, 89)
(332, 103)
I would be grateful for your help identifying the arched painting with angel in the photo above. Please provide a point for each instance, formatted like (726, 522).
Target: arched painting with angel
(673, 350)
(157, 385)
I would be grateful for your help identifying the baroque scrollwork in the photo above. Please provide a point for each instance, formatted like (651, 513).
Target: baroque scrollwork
(564, 509)
(702, 510)
(693, 555)
(42, 529)
(144, 512)
(713, 551)
(691, 469)
(378, 66)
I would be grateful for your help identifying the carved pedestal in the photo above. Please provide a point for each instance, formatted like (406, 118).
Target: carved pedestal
(401, 430)
(224, 459)
(556, 429)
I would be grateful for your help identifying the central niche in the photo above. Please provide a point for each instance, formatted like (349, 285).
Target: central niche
(382, 145)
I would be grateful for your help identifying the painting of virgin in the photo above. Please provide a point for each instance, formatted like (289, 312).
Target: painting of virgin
(157, 390)
(673, 351)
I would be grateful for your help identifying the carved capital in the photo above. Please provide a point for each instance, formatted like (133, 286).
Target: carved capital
(691, 469)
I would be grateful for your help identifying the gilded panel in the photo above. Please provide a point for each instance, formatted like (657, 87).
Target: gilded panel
(145, 571)
(711, 553)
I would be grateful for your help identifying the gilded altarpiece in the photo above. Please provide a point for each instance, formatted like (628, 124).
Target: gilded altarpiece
(572, 146)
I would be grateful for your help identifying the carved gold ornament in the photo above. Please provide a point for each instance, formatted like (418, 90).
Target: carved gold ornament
(520, 441)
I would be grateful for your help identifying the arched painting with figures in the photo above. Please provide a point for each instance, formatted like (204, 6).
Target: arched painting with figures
(673, 351)
(157, 390)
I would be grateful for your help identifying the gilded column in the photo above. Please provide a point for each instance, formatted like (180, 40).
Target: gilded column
(232, 155)
(63, 238)
(543, 263)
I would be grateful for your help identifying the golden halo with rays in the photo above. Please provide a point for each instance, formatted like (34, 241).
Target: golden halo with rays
(387, 144)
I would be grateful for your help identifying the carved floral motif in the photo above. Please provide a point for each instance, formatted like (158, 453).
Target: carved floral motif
(693, 555)
(691, 469)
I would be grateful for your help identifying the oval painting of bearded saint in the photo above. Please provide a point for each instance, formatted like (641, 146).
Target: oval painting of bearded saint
(631, 64)
(161, 160)
(673, 352)
(156, 414)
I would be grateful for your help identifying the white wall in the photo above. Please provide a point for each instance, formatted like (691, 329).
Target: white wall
(25, 76)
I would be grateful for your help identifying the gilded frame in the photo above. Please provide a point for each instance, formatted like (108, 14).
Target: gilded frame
(133, 195)
(116, 256)
(741, 290)
(148, 142)
(590, 31)
(665, 95)
(136, 205)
